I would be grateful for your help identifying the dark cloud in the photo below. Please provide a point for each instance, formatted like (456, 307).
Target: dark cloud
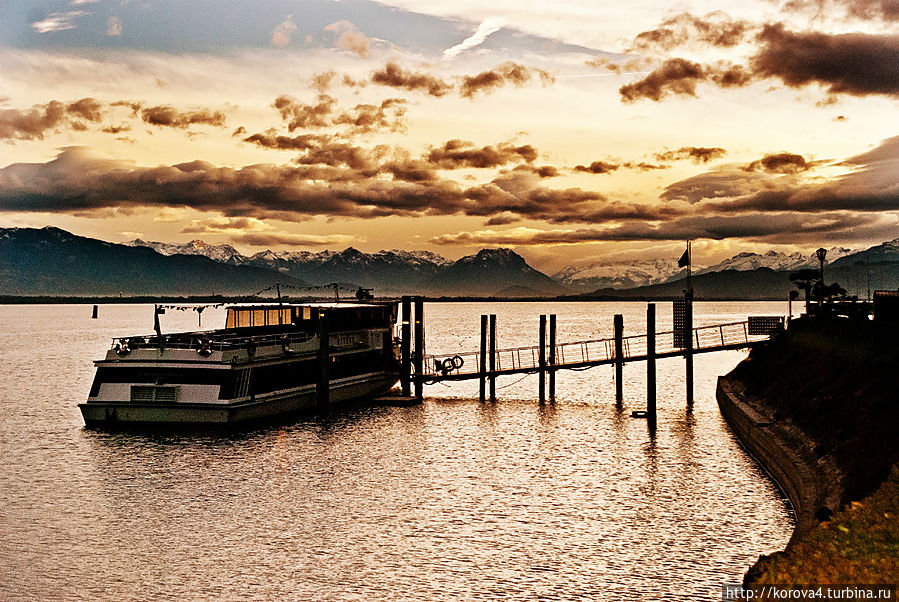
(873, 10)
(362, 118)
(781, 163)
(674, 77)
(34, 123)
(394, 76)
(543, 171)
(598, 167)
(300, 115)
(780, 228)
(455, 154)
(116, 129)
(871, 187)
(86, 108)
(77, 182)
(501, 75)
(279, 142)
(697, 154)
(854, 63)
(607, 167)
(715, 29)
(389, 115)
(169, 116)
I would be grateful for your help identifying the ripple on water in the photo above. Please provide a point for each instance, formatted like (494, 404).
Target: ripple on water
(444, 501)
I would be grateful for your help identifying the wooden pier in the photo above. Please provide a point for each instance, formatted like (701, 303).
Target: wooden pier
(549, 356)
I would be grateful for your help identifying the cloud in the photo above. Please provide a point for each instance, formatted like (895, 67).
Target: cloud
(116, 129)
(780, 163)
(485, 29)
(255, 232)
(697, 154)
(607, 167)
(871, 10)
(679, 77)
(715, 29)
(79, 182)
(58, 21)
(507, 73)
(858, 64)
(394, 76)
(785, 228)
(34, 123)
(455, 154)
(598, 167)
(798, 59)
(283, 31)
(872, 186)
(113, 26)
(388, 115)
(675, 77)
(348, 37)
(167, 116)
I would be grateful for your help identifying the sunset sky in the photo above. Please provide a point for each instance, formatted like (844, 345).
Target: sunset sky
(571, 131)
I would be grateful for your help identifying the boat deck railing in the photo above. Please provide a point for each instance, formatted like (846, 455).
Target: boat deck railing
(209, 340)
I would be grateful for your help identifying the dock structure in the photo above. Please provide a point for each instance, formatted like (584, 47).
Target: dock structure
(549, 356)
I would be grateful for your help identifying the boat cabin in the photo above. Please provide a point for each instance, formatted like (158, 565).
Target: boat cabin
(341, 316)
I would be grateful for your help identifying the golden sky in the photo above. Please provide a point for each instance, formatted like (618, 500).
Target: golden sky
(570, 131)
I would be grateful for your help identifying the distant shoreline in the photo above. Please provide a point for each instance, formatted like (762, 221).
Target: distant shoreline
(99, 300)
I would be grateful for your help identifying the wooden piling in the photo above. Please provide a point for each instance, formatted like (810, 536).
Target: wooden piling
(419, 354)
(688, 352)
(651, 361)
(541, 358)
(492, 378)
(552, 358)
(482, 368)
(323, 380)
(405, 346)
(94, 314)
(619, 360)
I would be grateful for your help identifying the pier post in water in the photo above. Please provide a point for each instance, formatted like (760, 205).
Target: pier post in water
(552, 358)
(405, 346)
(541, 359)
(323, 380)
(651, 361)
(619, 360)
(419, 354)
(688, 353)
(492, 358)
(482, 361)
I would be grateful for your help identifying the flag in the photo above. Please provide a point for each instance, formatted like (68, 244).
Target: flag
(684, 259)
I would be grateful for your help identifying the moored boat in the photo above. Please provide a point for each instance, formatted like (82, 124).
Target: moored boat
(268, 361)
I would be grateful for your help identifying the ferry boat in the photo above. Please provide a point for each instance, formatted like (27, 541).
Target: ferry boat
(267, 362)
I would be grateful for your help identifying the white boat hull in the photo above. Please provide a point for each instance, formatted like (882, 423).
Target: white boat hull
(269, 407)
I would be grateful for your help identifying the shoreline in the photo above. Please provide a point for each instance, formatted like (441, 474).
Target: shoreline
(786, 453)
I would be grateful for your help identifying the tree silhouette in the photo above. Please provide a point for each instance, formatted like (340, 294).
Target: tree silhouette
(804, 280)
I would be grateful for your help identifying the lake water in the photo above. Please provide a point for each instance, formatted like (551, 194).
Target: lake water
(448, 500)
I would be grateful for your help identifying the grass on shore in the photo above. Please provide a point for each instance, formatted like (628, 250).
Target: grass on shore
(859, 545)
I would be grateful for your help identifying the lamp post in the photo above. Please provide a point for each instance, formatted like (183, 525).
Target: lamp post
(821, 253)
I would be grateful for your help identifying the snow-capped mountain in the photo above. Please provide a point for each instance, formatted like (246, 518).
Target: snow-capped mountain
(220, 253)
(884, 252)
(744, 262)
(629, 274)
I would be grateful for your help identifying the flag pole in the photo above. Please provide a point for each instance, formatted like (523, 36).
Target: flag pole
(690, 269)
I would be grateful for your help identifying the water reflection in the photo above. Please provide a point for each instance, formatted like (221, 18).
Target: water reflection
(452, 499)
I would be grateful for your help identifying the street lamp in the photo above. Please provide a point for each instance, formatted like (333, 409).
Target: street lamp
(821, 253)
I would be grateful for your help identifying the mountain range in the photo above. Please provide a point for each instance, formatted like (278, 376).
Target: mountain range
(50, 261)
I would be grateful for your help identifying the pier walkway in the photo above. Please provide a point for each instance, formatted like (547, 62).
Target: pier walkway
(596, 352)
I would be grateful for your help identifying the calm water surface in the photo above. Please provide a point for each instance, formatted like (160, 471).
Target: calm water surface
(448, 500)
